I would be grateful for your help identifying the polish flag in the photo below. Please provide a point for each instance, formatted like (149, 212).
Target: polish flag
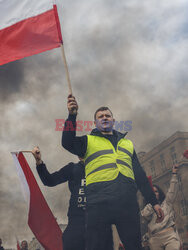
(40, 218)
(27, 27)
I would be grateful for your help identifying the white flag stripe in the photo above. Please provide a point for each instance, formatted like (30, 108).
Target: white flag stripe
(13, 11)
(23, 181)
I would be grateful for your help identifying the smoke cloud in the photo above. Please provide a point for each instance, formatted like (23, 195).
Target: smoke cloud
(128, 55)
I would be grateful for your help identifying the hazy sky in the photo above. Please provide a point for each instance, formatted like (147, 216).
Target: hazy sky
(129, 55)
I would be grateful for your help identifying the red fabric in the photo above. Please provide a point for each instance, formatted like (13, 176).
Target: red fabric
(58, 23)
(121, 246)
(150, 181)
(30, 36)
(18, 245)
(40, 219)
(185, 154)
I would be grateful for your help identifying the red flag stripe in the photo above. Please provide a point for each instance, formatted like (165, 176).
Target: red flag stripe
(30, 36)
(57, 23)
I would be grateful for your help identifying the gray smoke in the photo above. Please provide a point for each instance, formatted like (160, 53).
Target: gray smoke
(128, 55)
(11, 78)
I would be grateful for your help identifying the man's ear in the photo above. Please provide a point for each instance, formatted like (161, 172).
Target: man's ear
(95, 123)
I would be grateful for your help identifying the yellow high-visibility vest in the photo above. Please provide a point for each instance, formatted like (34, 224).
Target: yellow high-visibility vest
(103, 162)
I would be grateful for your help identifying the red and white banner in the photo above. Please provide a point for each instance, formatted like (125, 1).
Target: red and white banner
(40, 218)
(27, 27)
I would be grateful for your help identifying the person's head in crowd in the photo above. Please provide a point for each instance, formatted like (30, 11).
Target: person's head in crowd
(159, 193)
(24, 245)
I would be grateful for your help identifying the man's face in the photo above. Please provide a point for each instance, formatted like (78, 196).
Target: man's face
(104, 121)
(24, 245)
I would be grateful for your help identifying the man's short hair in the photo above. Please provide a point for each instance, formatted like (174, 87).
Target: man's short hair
(101, 109)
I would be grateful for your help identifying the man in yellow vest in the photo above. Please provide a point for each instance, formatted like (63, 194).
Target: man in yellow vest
(113, 174)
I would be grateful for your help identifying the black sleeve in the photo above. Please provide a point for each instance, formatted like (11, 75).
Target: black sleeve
(51, 180)
(75, 144)
(142, 181)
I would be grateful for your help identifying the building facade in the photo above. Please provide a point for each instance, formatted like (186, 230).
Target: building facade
(158, 163)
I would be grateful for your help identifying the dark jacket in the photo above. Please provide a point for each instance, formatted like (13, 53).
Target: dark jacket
(74, 174)
(120, 188)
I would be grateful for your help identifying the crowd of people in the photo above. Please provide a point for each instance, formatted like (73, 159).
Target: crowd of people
(112, 173)
(20, 246)
(103, 186)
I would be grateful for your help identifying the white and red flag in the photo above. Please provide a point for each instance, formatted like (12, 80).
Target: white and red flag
(27, 27)
(40, 218)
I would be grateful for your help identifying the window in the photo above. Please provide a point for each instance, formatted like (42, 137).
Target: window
(180, 230)
(152, 167)
(179, 182)
(163, 163)
(184, 207)
(173, 155)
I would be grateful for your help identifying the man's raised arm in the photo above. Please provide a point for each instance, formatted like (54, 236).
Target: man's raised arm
(74, 144)
(51, 179)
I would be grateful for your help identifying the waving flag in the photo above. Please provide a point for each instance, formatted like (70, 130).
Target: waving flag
(40, 218)
(27, 27)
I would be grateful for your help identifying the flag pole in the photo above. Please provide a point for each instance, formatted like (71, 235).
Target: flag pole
(66, 69)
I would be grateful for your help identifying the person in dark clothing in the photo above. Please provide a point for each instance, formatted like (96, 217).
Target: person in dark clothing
(113, 174)
(1, 247)
(73, 173)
